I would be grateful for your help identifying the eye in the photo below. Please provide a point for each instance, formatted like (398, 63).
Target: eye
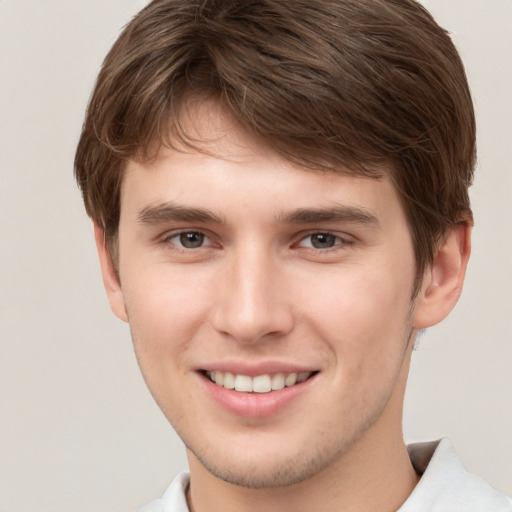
(189, 239)
(321, 241)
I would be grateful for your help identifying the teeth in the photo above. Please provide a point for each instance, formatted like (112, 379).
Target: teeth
(219, 378)
(229, 380)
(262, 384)
(278, 381)
(243, 383)
(258, 384)
(290, 379)
(302, 376)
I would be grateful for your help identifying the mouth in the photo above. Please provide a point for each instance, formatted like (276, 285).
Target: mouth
(265, 383)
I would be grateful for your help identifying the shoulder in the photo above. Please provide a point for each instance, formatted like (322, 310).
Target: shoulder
(174, 498)
(446, 486)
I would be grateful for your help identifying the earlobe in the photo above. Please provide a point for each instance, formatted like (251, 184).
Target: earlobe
(443, 280)
(110, 278)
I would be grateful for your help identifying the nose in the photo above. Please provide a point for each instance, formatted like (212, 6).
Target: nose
(252, 301)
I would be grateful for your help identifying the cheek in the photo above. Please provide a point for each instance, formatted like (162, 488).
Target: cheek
(164, 315)
(363, 315)
(165, 310)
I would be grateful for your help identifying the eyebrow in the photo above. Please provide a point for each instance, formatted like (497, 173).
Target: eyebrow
(335, 214)
(154, 214)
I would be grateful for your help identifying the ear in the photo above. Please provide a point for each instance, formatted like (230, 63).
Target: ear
(110, 278)
(442, 283)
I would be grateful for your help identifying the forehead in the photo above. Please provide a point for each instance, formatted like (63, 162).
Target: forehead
(225, 165)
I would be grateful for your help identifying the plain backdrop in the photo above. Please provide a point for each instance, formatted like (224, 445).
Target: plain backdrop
(78, 429)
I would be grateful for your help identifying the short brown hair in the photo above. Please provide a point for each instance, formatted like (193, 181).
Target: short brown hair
(350, 85)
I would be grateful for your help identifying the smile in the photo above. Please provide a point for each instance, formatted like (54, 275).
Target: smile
(259, 384)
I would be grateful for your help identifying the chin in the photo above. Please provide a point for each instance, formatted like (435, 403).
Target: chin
(268, 470)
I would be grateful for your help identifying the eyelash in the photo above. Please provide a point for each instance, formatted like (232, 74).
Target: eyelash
(339, 241)
(168, 239)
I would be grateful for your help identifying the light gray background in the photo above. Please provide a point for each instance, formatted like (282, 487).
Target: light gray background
(78, 430)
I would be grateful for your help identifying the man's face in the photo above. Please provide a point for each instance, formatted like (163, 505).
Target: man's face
(243, 268)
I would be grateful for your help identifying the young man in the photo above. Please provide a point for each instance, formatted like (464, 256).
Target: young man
(279, 192)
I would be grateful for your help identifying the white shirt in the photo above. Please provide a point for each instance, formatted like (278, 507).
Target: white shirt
(445, 486)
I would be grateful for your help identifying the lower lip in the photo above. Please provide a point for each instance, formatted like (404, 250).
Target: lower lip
(255, 405)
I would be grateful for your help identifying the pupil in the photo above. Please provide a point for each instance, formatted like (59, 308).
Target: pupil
(191, 240)
(323, 240)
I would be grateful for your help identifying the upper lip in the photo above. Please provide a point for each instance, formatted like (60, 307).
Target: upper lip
(254, 369)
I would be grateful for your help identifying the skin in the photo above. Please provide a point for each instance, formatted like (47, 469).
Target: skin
(255, 291)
